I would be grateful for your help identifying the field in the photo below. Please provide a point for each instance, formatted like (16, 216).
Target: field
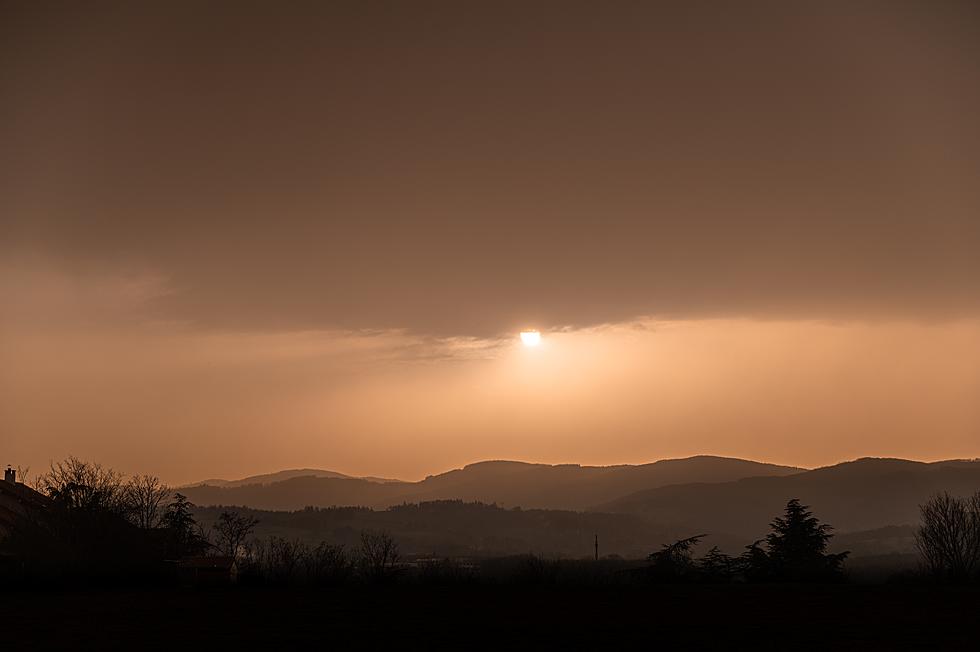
(831, 617)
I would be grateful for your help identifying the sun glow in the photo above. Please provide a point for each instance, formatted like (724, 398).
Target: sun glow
(531, 338)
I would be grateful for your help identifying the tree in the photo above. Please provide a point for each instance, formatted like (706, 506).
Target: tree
(716, 566)
(78, 485)
(83, 529)
(949, 536)
(180, 523)
(232, 529)
(797, 546)
(754, 562)
(673, 561)
(144, 496)
(327, 564)
(379, 556)
(278, 560)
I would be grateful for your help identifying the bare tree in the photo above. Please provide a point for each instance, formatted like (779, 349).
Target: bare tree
(231, 530)
(379, 555)
(327, 564)
(76, 484)
(949, 536)
(281, 559)
(145, 496)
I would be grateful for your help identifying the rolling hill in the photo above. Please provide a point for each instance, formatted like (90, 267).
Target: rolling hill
(864, 494)
(509, 484)
(280, 476)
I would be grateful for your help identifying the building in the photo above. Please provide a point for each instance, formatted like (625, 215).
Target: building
(16, 499)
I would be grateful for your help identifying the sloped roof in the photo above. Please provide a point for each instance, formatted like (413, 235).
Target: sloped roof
(23, 493)
(14, 497)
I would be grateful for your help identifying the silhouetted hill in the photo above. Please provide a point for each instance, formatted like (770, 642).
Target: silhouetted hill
(860, 495)
(510, 484)
(299, 492)
(280, 476)
(570, 486)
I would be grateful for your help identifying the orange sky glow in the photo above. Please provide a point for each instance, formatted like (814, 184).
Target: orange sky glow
(240, 237)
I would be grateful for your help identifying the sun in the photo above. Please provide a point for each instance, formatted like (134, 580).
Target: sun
(531, 338)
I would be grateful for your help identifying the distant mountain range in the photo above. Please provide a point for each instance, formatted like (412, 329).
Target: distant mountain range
(703, 493)
(872, 503)
(509, 484)
(279, 476)
(864, 494)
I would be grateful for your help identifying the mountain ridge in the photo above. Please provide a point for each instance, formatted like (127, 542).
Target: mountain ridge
(860, 494)
(505, 482)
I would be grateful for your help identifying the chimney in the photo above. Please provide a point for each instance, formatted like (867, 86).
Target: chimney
(10, 475)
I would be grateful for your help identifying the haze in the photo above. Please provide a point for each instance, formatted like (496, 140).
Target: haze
(238, 238)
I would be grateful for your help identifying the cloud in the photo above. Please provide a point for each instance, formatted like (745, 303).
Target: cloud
(438, 178)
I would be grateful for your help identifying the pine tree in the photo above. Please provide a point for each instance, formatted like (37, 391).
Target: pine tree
(716, 566)
(179, 522)
(754, 563)
(673, 562)
(797, 547)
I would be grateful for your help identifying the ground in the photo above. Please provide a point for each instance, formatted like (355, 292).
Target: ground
(845, 617)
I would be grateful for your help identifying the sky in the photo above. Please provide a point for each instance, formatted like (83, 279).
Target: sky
(239, 237)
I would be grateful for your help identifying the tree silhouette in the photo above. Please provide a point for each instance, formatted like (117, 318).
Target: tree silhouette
(183, 539)
(74, 484)
(949, 537)
(144, 496)
(232, 530)
(673, 561)
(379, 556)
(797, 546)
(754, 562)
(716, 566)
(82, 527)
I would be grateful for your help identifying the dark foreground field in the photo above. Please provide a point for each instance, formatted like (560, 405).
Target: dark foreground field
(839, 617)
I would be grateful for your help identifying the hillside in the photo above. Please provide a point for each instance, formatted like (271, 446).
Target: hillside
(458, 529)
(509, 484)
(861, 495)
(280, 476)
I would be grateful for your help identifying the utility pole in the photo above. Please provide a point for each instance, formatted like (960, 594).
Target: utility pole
(597, 546)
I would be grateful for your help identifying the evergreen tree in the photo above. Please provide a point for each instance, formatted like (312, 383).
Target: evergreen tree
(754, 563)
(797, 547)
(673, 562)
(716, 566)
(180, 523)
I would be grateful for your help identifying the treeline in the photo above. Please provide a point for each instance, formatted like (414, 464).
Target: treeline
(453, 528)
(795, 551)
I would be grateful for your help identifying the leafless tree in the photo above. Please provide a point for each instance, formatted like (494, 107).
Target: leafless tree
(231, 531)
(76, 484)
(282, 559)
(949, 536)
(145, 496)
(327, 564)
(379, 555)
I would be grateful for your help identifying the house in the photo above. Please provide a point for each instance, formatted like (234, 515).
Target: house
(15, 499)
(207, 571)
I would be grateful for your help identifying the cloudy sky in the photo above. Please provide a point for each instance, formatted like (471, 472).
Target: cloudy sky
(240, 237)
